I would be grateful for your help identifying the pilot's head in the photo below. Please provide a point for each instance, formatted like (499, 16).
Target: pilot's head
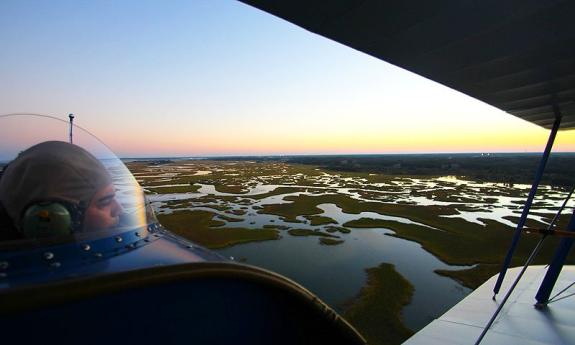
(60, 188)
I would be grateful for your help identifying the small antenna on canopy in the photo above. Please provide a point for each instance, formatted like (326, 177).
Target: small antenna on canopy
(71, 116)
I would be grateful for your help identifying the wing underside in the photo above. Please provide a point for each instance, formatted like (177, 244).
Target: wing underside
(518, 56)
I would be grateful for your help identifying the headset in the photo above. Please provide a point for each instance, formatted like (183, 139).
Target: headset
(52, 218)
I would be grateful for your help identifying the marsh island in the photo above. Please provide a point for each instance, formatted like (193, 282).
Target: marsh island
(373, 245)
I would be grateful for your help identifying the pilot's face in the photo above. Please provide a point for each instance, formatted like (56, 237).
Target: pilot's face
(104, 210)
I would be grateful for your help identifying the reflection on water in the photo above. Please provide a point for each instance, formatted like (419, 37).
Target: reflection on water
(334, 212)
(259, 189)
(202, 172)
(499, 205)
(337, 273)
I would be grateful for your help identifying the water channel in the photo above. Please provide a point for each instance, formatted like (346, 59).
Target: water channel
(337, 273)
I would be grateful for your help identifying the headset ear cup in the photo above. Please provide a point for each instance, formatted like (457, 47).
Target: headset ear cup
(46, 219)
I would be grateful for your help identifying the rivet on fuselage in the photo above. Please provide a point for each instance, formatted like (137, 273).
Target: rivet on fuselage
(4, 265)
(48, 256)
(86, 247)
(119, 239)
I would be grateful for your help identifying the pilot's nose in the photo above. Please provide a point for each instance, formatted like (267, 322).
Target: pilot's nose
(116, 208)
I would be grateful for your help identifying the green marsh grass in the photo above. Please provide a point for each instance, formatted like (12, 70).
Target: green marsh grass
(376, 312)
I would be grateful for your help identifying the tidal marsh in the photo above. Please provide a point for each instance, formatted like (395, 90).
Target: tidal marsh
(458, 229)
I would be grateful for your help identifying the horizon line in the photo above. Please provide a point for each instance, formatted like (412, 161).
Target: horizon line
(338, 154)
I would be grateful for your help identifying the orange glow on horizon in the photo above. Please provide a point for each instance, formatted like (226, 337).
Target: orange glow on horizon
(337, 142)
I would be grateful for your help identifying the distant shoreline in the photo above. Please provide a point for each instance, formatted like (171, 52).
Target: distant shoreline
(395, 155)
(508, 168)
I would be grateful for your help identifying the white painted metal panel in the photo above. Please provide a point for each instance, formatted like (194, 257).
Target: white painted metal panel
(519, 321)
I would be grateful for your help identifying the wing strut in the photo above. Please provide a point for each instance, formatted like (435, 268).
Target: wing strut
(547, 232)
(529, 201)
(552, 274)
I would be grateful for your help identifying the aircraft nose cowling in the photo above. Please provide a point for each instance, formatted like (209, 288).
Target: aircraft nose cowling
(145, 247)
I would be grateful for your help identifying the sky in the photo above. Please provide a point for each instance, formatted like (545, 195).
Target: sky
(218, 77)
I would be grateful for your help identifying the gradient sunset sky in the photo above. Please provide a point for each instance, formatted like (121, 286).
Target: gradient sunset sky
(215, 77)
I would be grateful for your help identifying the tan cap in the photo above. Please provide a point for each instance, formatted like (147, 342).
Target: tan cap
(51, 171)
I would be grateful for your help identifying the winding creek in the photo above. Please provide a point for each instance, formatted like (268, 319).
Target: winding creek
(337, 273)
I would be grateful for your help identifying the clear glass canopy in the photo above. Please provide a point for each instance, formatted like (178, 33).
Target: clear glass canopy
(52, 189)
